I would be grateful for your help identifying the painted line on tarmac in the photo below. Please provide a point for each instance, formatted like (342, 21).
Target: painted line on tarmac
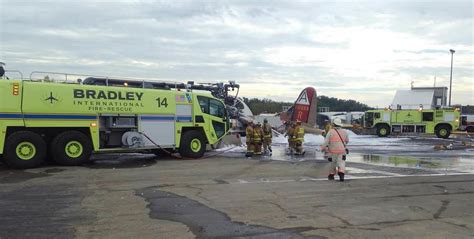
(348, 177)
(370, 171)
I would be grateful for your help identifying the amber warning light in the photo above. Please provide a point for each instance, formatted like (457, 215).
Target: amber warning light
(16, 88)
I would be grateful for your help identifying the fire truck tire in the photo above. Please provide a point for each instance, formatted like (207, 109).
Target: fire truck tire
(71, 148)
(192, 145)
(443, 131)
(383, 130)
(24, 149)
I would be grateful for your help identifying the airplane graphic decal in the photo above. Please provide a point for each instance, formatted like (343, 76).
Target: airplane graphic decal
(51, 98)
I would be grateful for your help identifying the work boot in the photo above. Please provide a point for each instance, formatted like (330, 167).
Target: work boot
(268, 152)
(341, 177)
(270, 149)
(331, 177)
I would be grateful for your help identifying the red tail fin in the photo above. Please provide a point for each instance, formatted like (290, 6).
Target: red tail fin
(304, 109)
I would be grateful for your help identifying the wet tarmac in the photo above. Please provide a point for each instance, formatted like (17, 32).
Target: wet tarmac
(395, 187)
(214, 224)
(397, 152)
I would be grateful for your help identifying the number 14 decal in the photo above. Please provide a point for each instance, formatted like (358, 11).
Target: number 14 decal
(162, 102)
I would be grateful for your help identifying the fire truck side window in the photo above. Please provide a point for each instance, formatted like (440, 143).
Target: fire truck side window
(204, 104)
(211, 106)
(427, 116)
(216, 108)
(377, 115)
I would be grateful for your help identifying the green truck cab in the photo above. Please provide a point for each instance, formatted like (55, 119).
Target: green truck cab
(67, 122)
(411, 121)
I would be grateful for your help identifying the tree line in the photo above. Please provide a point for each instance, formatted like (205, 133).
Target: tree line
(259, 106)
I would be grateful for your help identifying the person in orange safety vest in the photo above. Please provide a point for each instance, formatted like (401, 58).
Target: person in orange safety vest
(335, 145)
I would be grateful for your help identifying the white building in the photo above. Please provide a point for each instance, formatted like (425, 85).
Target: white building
(427, 97)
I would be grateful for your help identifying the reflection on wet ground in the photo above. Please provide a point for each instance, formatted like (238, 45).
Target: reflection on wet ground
(458, 164)
(399, 152)
(366, 151)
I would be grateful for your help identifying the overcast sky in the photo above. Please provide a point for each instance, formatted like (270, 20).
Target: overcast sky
(362, 50)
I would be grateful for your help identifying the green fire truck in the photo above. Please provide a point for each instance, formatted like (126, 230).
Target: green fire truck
(64, 121)
(411, 121)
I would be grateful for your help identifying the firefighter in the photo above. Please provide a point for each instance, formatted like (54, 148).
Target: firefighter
(298, 136)
(249, 139)
(267, 137)
(335, 145)
(289, 133)
(257, 139)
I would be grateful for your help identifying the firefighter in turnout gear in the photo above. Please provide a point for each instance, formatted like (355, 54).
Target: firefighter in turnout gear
(257, 139)
(249, 139)
(335, 145)
(298, 136)
(289, 133)
(267, 137)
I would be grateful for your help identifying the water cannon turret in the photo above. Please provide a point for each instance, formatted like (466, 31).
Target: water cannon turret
(2, 69)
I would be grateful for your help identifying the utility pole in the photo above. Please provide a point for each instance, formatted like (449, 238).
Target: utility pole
(451, 77)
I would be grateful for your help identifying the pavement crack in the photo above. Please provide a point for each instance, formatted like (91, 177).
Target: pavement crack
(455, 224)
(417, 208)
(278, 206)
(165, 185)
(198, 193)
(344, 221)
(220, 181)
(428, 194)
(444, 206)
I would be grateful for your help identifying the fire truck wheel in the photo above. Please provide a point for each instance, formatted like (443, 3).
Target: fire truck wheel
(443, 131)
(71, 148)
(24, 149)
(192, 145)
(383, 130)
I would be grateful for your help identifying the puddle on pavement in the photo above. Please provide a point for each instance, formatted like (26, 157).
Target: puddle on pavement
(443, 163)
(122, 161)
(452, 163)
(206, 222)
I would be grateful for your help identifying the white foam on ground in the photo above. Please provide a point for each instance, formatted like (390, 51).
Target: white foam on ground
(316, 140)
(354, 139)
(232, 148)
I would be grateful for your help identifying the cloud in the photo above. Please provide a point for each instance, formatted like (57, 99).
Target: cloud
(361, 50)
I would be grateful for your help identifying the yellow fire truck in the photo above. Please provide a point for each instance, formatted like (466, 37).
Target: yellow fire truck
(411, 121)
(67, 121)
